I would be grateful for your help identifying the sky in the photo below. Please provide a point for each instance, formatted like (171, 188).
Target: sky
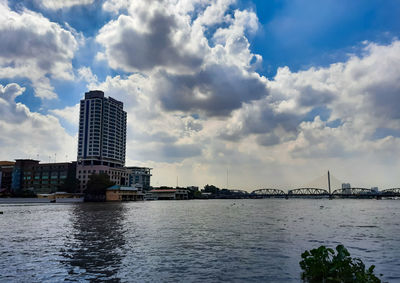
(247, 94)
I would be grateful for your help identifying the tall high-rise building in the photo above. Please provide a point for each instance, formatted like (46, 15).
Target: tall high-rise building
(102, 131)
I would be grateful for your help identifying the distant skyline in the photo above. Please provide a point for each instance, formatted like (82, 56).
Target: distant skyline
(274, 92)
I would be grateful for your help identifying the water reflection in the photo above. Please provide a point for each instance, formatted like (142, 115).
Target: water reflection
(94, 249)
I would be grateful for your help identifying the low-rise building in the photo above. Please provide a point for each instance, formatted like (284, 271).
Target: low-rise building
(118, 175)
(6, 169)
(41, 177)
(169, 194)
(62, 197)
(122, 193)
(123, 176)
(139, 176)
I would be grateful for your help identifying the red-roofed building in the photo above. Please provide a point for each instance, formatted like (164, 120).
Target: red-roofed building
(169, 194)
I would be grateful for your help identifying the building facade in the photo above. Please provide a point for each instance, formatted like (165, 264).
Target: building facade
(41, 177)
(6, 169)
(102, 131)
(118, 175)
(169, 194)
(139, 176)
(102, 143)
(120, 193)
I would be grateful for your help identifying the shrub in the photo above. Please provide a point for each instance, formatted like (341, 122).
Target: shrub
(323, 265)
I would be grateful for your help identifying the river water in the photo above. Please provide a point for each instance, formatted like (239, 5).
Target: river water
(191, 241)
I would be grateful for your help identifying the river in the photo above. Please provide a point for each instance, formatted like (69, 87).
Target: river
(192, 241)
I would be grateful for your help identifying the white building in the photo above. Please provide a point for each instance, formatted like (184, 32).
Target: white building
(101, 139)
(139, 176)
(102, 131)
(118, 175)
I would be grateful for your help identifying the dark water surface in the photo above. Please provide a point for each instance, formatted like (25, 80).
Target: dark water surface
(191, 241)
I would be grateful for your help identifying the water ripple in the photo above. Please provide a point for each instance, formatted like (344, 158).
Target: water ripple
(191, 241)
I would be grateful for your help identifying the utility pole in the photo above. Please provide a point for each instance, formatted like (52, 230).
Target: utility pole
(227, 180)
(329, 182)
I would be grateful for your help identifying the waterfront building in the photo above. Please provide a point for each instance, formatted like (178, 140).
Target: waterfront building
(169, 194)
(41, 177)
(102, 131)
(62, 197)
(139, 176)
(123, 193)
(6, 169)
(118, 175)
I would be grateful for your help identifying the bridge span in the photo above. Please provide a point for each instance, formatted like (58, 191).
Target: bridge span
(360, 193)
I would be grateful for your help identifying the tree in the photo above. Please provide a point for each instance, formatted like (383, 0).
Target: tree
(323, 265)
(98, 184)
(211, 189)
(70, 185)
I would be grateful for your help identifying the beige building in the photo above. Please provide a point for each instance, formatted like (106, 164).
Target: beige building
(62, 197)
(121, 193)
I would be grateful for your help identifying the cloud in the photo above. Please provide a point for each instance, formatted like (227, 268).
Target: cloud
(70, 114)
(56, 4)
(28, 134)
(150, 129)
(302, 123)
(338, 116)
(196, 102)
(216, 90)
(86, 74)
(361, 94)
(131, 46)
(186, 70)
(33, 47)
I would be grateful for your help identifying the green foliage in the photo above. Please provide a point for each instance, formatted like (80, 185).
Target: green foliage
(70, 185)
(98, 184)
(323, 265)
(211, 189)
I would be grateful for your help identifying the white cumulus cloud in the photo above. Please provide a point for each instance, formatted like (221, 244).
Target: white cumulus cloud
(33, 47)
